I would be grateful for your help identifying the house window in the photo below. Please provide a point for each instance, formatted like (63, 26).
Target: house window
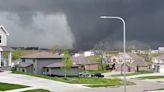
(33, 60)
(47, 70)
(23, 60)
(0, 38)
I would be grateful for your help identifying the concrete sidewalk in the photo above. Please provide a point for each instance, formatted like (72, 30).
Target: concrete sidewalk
(36, 82)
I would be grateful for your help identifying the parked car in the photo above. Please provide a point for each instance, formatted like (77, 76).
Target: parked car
(97, 75)
(84, 74)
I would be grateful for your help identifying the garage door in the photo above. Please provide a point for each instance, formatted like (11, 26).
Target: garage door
(161, 70)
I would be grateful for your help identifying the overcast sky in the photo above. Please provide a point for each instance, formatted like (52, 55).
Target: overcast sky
(76, 23)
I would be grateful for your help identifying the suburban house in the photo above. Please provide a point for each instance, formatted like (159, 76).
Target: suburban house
(133, 62)
(158, 65)
(5, 62)
(89, 53)
(84, 63)
(47, 63)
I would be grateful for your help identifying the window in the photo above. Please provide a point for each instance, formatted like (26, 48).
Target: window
(0, 38)
(23, 60)
(33, 60)
(47, 70)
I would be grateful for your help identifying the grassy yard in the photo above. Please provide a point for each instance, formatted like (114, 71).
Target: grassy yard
(88, 81)
(37, 90)
(131, 74)
(151, 77)
(7, 86)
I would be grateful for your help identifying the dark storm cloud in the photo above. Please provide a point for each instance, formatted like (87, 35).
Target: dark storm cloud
(144, 20)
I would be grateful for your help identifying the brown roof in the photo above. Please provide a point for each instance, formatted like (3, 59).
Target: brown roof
(138, 60)
(82, 60)
(23, 64)
(43, 54)
(57, 64)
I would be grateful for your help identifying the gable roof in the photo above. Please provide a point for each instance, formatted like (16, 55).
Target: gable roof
(138, 60)
(22, 64)
(43, 55)
(82, 60)
(4, 30)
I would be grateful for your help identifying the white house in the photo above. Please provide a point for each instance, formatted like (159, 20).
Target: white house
(159, 63)
(89, 53)
(4, 48)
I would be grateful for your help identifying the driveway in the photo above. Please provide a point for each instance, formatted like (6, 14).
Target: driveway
(36, 82)
(56, 86)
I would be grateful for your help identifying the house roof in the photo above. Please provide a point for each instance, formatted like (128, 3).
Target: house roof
(23, 64)
(3, 28)
(160, 57)
(138, 60)
(5, 48)
(57, 64)
(43, 54)
(82, 60)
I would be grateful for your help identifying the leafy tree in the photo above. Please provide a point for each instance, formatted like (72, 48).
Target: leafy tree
(16, 54)
(67, 62)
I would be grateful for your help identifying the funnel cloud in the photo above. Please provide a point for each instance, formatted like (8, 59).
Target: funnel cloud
(76, 23)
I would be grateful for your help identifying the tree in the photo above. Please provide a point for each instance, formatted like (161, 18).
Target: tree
(101, 51)
(67, 62)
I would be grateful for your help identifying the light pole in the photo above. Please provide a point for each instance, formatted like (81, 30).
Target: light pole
(124, 43)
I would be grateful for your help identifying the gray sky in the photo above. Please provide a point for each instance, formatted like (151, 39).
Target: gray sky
(76, 23)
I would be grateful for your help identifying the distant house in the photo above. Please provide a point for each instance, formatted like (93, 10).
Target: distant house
(84, 63)
(89, 53)
(158, 64)
(132, 62)
(44, 63)
(4, 61)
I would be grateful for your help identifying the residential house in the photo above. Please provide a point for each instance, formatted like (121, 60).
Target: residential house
(133, 62)
(4, 61)
(158, 65)
(43, 62)
(84, 63)
(89, 53)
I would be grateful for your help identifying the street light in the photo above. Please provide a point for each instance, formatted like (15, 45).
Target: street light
(124, 43)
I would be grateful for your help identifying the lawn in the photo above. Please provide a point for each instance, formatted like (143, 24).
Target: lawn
(131, 74)
(7, 86)
(151, 77)
(37, 90)
(87, 81)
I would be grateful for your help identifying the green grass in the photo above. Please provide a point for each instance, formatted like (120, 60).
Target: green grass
(37, 90)
(7, 86)
(88, 81)
(151, 77)
(131, 74)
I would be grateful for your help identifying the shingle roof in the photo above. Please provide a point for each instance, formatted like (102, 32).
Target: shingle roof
(138, 60)
(43, 54)
(23, 64)
(57, 64)
(82, 60)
